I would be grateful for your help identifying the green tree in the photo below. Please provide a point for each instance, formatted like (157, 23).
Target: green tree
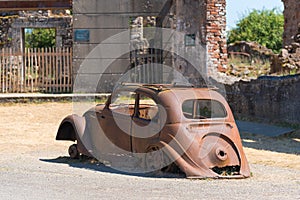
(264, 27)
(40, 37)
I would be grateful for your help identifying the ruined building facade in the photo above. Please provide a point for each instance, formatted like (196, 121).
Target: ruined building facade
(202, 22)
(14, 23)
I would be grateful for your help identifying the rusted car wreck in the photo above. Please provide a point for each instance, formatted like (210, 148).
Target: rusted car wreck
(157, 127)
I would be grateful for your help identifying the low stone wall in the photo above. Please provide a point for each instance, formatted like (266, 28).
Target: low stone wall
(268, 99)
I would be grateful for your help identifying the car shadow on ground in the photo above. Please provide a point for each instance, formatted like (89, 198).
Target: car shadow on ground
(288, 143)
(92, 164)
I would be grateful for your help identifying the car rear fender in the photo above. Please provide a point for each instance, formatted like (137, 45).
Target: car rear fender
(186, 164)
(71, 128)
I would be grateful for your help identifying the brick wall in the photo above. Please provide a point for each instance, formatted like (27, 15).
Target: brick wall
(216, 34)
(292, 19)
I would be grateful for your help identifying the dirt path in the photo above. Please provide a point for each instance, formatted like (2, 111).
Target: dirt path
(28, 127)
(283, 151)
(33, 166)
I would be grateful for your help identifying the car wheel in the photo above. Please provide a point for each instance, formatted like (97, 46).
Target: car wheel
(73, 151)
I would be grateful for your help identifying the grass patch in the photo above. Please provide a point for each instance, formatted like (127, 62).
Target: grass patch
(240, 66)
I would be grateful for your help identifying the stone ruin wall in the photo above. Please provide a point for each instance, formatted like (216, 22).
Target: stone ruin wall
(6, 21)
(207, 23)
(267, 99)
(214, 29)
(270, 98)
(210, 24)
(13, 23)
(292, 19)
(207, 19)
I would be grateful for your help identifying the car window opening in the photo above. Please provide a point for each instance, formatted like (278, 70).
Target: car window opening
(148, 109)
(123, 103)
(203, 109)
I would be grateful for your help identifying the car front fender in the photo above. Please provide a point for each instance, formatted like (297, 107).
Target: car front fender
(71, 128)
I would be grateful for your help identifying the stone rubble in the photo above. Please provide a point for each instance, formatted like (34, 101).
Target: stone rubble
(248, 60)
(288, 60)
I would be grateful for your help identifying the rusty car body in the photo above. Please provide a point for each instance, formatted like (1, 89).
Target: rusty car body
(157, 127)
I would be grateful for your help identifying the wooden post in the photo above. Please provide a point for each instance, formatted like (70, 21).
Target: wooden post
(47, 68)
(42, 68)
(57, 82)
(50, 70)
(9, 61)
(2, 71)
(31, 70)
(26, 61)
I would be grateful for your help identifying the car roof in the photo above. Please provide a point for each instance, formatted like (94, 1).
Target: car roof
(171, 96)
(163, 87)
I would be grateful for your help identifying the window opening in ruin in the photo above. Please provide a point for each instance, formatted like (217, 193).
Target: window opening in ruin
(145, 53)
(40, 37)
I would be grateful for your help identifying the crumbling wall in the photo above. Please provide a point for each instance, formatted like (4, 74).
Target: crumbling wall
(271, 98)
(248, 60)
(99, 20)
(12, 25)
(291, 20)
(6, 20)
(267, 99)
(216, 34)
(288, 61)
(206, 18)
(191, 21)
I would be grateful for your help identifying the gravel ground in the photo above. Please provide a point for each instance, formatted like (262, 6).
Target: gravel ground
(35, 166)
(26, 177)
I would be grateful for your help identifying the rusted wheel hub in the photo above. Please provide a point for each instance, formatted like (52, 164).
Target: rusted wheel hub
(221, 154)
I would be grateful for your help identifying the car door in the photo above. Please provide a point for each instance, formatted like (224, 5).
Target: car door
(116, 120)
(146, 123)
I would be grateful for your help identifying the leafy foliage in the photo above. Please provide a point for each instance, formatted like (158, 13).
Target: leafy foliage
(40, 37)
(264, 27)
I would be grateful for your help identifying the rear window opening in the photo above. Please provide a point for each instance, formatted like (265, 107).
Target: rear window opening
(203, 109)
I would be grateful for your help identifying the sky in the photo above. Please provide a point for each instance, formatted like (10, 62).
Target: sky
(236, 9)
